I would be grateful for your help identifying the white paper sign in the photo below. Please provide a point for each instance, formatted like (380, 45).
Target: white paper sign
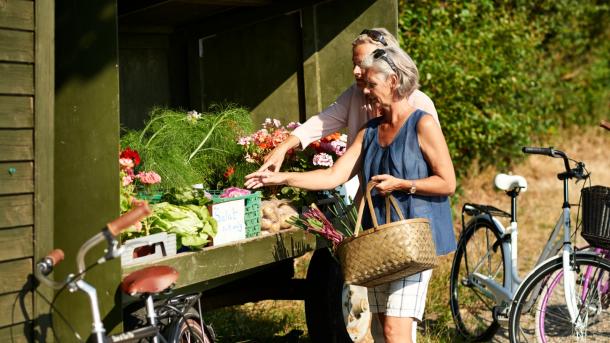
(230, 218)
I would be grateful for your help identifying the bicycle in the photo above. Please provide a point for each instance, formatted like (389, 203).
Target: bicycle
(553, 320)
(173, 320)
(484, 275)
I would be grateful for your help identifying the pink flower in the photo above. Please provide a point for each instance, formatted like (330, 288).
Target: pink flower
(336, 147)
(245, 140)
(149, 178)
(127, 180)
(322, 159)
(126, 163)
(293, 125)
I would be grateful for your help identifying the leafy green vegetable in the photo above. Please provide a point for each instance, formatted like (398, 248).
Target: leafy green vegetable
(192, 224)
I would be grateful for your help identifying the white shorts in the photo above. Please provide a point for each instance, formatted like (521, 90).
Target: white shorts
(404, 298)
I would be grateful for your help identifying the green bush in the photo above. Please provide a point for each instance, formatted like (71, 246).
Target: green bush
(501, 72)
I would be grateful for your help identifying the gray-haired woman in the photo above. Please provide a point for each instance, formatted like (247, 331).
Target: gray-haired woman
(404, 152)
(351, 109)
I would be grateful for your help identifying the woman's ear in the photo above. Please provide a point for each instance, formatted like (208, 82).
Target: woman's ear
(394, 81)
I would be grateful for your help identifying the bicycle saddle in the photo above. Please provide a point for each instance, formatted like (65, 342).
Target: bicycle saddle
(153, 279)
(509, 183)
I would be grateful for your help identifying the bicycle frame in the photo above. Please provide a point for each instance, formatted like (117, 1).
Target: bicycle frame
(503, 294)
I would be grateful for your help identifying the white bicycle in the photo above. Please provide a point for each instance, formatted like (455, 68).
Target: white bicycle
(485, 283)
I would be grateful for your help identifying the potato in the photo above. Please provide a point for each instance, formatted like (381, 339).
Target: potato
(275, 227)
(266, 224)
(270, 213)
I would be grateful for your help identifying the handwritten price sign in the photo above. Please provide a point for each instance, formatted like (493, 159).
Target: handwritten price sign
(230, 218)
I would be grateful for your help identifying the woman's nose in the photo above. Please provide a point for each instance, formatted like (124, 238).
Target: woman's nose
(357, 70)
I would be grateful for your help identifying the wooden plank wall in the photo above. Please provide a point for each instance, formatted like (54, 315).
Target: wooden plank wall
(17, 230)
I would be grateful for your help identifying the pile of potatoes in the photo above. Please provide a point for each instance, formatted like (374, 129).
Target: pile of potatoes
(275, 215)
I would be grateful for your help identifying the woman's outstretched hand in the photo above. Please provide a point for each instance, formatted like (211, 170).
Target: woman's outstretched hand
(259, 179)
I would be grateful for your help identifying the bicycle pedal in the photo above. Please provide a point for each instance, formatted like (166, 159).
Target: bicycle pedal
(500, 314)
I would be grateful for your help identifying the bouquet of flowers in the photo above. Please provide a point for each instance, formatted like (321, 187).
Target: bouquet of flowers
(321, 153)
(342, 225)
(133, 180)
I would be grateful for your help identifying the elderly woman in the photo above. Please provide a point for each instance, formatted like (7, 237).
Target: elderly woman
(404, 152)
(352, 109)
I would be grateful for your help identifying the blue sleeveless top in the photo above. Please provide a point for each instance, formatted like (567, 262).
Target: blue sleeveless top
(403, 159)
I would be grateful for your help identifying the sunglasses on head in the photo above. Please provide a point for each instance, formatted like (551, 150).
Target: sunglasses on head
(375, 35)
(380, 53)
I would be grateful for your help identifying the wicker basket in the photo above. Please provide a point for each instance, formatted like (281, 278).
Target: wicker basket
(252, 217)
(388, 252)
(596, 216)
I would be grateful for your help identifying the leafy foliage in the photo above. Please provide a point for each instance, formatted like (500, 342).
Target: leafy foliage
(501, 72)
(187, 149)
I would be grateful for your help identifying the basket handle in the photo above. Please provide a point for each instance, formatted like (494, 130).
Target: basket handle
(389, 199)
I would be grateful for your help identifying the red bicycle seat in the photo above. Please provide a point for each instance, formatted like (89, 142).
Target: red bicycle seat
(154, 279)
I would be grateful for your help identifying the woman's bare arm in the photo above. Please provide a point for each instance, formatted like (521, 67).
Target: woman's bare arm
(344, 168)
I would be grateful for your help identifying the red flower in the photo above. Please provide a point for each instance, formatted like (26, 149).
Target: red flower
(229, 172)
(131, 154)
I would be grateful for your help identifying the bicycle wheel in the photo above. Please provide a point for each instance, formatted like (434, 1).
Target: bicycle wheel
(471, 303)
(188, 329)
(540, 314)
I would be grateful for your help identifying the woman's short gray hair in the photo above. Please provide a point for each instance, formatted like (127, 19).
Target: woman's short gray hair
(364, 38)
(390, 61)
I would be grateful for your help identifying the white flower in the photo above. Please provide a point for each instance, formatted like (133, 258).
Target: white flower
(343, 138)
(193, 116)
(322, 159)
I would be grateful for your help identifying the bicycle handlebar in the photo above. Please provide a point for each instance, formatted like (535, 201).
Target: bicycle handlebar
(578, 172)
(56, 256)
(45, 266)
(543, 151)
(128, 219)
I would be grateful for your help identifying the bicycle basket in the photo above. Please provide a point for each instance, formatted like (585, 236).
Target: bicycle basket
(596, 216)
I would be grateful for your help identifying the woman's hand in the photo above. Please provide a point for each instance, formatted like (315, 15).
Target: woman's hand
(387, 184)
(259, 179)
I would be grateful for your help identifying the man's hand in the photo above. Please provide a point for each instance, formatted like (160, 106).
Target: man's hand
(274, 159)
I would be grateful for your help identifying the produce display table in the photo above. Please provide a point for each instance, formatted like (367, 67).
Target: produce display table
(216, 265)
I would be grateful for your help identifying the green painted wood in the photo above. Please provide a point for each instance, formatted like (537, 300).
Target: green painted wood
(16, 145)
(86, 126)
(44, 136)
(12, 305)
(13, 334)
(14, 274)
(17, 14)
(16, 210)
(16, 177)
(16, 78)
(226, 260)
(16, 46)
(16, 243)
(16, 111)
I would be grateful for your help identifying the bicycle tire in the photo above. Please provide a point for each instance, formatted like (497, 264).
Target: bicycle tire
(188, 329)
(472, 310)
(539, 312)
